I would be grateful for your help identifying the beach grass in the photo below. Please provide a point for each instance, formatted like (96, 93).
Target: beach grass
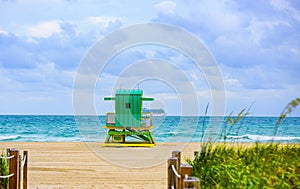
(3, 171)
(256, 165)
(261, 165)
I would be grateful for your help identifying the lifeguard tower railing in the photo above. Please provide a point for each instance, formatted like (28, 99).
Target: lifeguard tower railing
(146, 120)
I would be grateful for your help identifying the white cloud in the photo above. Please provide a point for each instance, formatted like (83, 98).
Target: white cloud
(103, 20)
(261, 29)
(44, 29)
(295, 50)
(284, 6)
(166, 7)
(100, 24)
(150, 54)
(3, 32)
(257, 45)
(44, 77)
(266, 101)
(231, 82)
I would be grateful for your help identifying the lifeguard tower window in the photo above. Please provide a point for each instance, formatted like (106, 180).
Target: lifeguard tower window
(127, 105)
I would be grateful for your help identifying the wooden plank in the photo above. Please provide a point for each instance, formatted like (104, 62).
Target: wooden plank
(191, 182)
(171, 176)
(14, 168)
(177, 154)
(186, 169)
(25, 169)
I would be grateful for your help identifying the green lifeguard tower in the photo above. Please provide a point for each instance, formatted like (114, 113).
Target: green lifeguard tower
(128, 120)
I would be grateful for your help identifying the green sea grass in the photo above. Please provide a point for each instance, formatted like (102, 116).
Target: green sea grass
(254, 165)
(3, 171)
(262, 165)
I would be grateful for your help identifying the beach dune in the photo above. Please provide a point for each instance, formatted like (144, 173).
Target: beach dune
(88, 165)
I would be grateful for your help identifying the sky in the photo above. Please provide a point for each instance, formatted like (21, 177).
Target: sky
(255, 44)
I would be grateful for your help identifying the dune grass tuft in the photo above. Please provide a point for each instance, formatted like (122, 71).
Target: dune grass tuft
(258, 166)
(3, 172)
(254, 165)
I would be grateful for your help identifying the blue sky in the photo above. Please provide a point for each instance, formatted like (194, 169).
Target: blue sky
(256, 45)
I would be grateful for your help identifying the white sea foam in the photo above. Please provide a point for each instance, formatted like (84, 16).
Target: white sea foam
(9, 137)
(264, 138)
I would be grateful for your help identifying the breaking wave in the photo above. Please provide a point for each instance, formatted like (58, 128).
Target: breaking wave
(8, 138)
(264, 138)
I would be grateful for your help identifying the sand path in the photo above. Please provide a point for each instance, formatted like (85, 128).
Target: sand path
(81, 165)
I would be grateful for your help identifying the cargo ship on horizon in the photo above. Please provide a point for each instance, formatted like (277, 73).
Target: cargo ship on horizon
(156, 111)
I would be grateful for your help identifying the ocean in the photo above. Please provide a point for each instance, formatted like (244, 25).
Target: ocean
(65, 128)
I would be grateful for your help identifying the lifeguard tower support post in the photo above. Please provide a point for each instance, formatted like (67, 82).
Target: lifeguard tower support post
(128, 120)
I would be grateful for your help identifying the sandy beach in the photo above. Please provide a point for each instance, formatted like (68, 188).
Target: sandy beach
(88, 165)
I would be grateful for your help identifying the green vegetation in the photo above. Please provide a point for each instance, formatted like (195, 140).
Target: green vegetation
(3, 172)
(288, 109)
(257, 166)
(231, 123)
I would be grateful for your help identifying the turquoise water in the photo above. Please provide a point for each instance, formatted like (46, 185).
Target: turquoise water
(167, 129)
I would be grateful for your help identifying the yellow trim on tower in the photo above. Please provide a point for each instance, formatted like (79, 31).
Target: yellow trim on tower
(131, 128)
(128, 145)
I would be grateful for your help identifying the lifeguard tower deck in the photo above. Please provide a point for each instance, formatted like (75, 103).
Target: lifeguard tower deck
(128, 120)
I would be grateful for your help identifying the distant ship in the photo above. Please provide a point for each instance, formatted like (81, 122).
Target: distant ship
(156, 112)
